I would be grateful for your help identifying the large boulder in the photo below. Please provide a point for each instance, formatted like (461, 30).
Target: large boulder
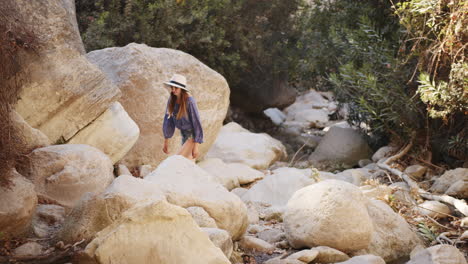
(61, 91)
(341, 146)
(277, 188)
(113, 132)
(329, 213)
(95, 212)
(185, 184)
(153, 233)
(237, 145)
(139, 71)
(392, 237)
(17, 203)
(62, 174)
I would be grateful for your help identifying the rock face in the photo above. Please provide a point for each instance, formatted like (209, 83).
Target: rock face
(237, 145)
(63, 173)
(329, 213)
(154, 233)
(17, 204)
(113, 132)
(33, 138)
(64, 92)
(139, 71)
(185, 184)
(344, 146)
(95, 212)
(392, 237)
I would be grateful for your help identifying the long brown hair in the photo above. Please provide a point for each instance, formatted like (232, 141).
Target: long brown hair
(182, 106)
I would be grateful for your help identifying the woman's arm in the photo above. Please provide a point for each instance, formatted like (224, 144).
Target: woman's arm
(168, 129)
(194, 118)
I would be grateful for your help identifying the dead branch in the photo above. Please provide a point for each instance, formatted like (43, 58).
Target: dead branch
(459, 204)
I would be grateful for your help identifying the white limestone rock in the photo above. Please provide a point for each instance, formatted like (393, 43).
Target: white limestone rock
(62, 92)
(315, 216)
(439, 254)
(221, 239)
(186, 184)
(64, 173)
(382, 153)
(343, 146)
(113, 132)
(221, 172)
(276, 116)
(154, 233)
(392, 237)
(277, 188)
(235, 144)
(444, 183)
(95, 212)
(201, 217)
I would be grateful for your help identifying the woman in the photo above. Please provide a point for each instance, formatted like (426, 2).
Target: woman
(182, 112)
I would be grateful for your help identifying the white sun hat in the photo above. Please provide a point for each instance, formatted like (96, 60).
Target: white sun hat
(179, 81)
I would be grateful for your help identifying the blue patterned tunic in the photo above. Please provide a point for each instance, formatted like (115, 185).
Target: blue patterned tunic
(189, 122)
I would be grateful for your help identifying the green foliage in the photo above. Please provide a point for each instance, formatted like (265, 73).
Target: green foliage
(429, 233)
(442, 100)
(373, 82)
(246, 40)
(437, 34)
(369, 53)
(325, 29)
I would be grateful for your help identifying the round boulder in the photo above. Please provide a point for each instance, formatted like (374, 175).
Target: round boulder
(329, 213)
(62, 174)
(342, 146)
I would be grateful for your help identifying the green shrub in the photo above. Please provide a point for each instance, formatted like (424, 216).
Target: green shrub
(247, 41)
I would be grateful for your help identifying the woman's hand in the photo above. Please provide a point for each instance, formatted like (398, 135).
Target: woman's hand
(165, 148)
(195, 152)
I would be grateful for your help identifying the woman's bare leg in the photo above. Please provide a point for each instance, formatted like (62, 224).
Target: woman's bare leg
(187, 149)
